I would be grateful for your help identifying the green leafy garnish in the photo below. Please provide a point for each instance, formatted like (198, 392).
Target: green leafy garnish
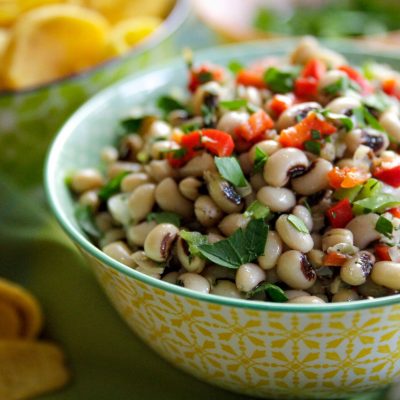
(260, 159)
(379, 101)
(279, 80)
(351, 193)
(205, 76)
(370, 188)
(298, 223)
(345, 121)
(235, 66)
(384, 226)
(194, 240)
(113, 186)
(84, 217)
(190, 127)
(313, 147)
(233, 104)
(315, 134)
(132, 125)
(165, 217)
(208, 115)
(176, 154)
(257, 210)
(229, 169)
(378, 204)
(365, 118)
(274, 292)
(244, 246)
(338, 87)
(167, 104)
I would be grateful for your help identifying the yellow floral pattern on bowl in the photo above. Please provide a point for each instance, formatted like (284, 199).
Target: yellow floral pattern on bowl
(262, 353)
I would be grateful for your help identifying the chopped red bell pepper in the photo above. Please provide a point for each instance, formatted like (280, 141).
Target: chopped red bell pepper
(248, 77)
(390, 87)
(280, 103)
(340, 214)
(255, 126)
(347, 177)
(296, 135)
(314, 69)
(395, 212)
(203, 74)
(217, 142)
(334, 259)
(191, 141)
(306, 88)
(391, 176)
(382, 252)
(355, 76)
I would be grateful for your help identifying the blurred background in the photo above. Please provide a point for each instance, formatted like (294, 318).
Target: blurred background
(54, 55)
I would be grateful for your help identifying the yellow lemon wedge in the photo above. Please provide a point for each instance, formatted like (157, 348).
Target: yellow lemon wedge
(51, 42)
(128, 33)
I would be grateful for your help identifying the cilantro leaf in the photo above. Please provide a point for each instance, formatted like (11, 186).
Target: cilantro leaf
(229, 169)
(298, 223)
(274, 292)
(313, 147)
(378, 204)
(257, 210)
(235, 66)
(132, 125)
(338, 87)
(194, 240)
(343, 119)
(384, 226)
(279, 80)
(370, 188)
(233, 104)
(244, 246)
(165, 217)
(260, 159)
(84, 217)
(112, 186)
(168, 104)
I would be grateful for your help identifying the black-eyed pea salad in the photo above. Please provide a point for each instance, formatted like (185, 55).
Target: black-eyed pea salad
(277, 181)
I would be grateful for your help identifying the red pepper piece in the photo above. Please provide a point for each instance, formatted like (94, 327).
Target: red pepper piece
(355, 76)
(204, 73)
(217, 142)
(280, 103)
(340, 214)
(255, 126)
(248, 77)
(306, 87)
(314, 69)
(395, 212)
(391, 176)
(382, 252)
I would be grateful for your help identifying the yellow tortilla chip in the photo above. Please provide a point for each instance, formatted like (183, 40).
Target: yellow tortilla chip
(28, 369)
(58, 40)
(26, 308)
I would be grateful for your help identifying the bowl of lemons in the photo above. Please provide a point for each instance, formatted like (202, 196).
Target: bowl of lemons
(54, 54)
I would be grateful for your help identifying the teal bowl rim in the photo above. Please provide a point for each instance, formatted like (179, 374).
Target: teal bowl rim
(94, 251)
(173, 21)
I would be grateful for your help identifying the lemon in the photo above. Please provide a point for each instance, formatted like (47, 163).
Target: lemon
(128, 33)
(51, 42)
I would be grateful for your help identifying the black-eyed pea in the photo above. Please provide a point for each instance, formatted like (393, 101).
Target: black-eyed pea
(304, 214)
(171, 277)
(109, 154)
(104, 221)
(250, 199)
(159, 241)
(372, 289)
(373, 139)
(223, 193)
(147, 266)
(91, 199)
(355, 270)
(266, 146)
(295, 270)
(119, 167)
(141, 201)
(317, 239)
(86, 179)
(345, 295)
(307, 300)
(272, 251)
(387, 274)
(189, 262)
(271, 275)
(214, 237)
(278, 199)
(169, 198)
(337, 284)
(213, 273)
(292, 237)
(251, 94)
(316, 258)
(233, 222)
(158, 130)
(335, 236)
(292, 293)
(118, 207)
(136, 234)
(159, 170)
(390, 122)
(231, 120)
(112, 235)
(329, 78)
(207, 212)
(342, 104)
(161, 147)
(197, 165)
(245, 163)
(189, 187)
(207, 90)
(130, 182)
(248, 276)
(226, 288)
(283, 164)
(315, 179)
(363, 229)
(289, 117)
(194, 282)
(257, 181)
(119, 251)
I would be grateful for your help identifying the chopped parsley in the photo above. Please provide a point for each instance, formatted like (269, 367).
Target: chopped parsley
(257, 210)
(313, 147)
(112, 187)
(132, 125)
(165, 217)
(235, 66)
(84, 217)
(260, 159)
(274, 292)
(384, 226)
(279, 80)
(233, 104)
(298, 223)
(229, 169)
(167, 104)
(194, 240)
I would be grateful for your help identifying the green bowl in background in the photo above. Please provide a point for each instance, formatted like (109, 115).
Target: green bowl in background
(262, 349)
(30, 118)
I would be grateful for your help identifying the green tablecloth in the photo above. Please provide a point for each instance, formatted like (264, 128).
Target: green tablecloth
(106, 359)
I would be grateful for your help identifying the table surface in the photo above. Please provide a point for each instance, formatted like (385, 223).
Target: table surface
(107, 360)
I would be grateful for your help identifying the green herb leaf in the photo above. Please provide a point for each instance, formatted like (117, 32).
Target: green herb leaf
(384, 226)
(313, 147)
(113, 186)
(84, 217)
(338, 87)
(176, 154)
(194, 240)
(168, 104)
(260, 159)
(372, 121)
(378, 204)
(229, 169)
(233, 104)
(351, 193)
(315, 134)
(370, 188)
(165, 217)
(208, 115)
(244, 246)
(132, 125)
(279, 81)
(235, 66)
(257, 210)
(274, 292)
(190, 127)
(298, 223)
(345, 121)
(379, 101)
(205, 76)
